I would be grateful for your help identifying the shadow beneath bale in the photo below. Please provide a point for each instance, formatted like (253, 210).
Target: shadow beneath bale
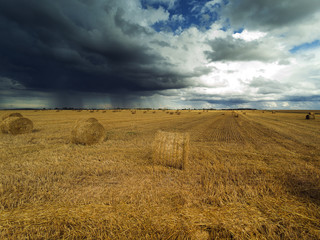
(36, 130)
(305, 188)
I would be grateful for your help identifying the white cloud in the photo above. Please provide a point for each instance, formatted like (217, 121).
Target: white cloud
(177, 18)
(249, 36)
(210, 6)
(169, 3)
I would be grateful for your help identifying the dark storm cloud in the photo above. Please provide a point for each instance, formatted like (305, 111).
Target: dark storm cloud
(302, 98)
(127, 27)
(262, 14)
(161, 43)
(78, 45)
(231, 49)
(9, 84)
(223, 101)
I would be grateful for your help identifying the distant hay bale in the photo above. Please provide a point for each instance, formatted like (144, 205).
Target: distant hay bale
(273, 112)
(16, 125)
(171, 149)
(7, 115)
(133, 112)
(308, 117)
(87, 132)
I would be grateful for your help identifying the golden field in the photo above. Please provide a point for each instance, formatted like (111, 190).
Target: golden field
(255, 176)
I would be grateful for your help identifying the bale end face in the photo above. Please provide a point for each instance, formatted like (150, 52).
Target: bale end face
(16, 125)
(171, 149)
(87, 132)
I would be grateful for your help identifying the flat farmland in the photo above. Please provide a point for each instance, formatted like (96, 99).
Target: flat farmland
(255, 176)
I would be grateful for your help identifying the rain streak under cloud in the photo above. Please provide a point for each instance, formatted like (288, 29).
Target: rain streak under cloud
(160, 53)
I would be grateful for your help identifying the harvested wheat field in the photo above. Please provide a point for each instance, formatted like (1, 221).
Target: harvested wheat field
(254, 176)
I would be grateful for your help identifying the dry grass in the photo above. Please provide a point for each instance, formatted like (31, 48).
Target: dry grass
(252, 177)
(171, 149)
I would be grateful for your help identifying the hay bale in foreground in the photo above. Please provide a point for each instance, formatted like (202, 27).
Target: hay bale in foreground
(16, 125)
(87, 132)
(235, 114)
(7, 115)
(171, 149)
(310, 116)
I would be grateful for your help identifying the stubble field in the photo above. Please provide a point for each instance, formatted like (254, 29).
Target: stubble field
(255, 176)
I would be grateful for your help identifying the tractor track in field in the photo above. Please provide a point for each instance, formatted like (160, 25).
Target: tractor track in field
(225, 129)
(263, 135)
(296, 126)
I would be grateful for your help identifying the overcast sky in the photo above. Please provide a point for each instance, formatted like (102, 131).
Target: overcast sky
(160, 53)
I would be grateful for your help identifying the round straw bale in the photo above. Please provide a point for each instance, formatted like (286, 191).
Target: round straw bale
(16, 125)
(87, 132)
(310, 116)
(7, 115)
(91, 120)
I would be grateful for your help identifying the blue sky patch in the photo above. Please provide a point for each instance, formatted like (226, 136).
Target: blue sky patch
(305, 46)
(194, 13)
